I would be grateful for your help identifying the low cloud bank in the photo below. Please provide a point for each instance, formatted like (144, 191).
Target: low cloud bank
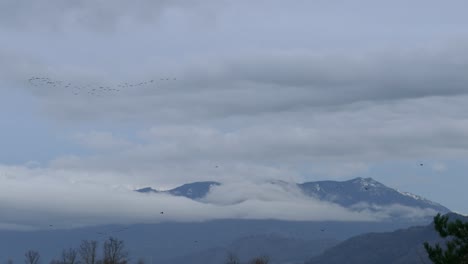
(39, 198)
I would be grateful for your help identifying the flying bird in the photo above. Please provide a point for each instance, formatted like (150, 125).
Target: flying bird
(95, 90)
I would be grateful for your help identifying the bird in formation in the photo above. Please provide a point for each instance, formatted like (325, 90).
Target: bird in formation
(92, 89)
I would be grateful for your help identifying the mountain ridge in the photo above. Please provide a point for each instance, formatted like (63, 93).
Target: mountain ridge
(396, 247)
(357, 194)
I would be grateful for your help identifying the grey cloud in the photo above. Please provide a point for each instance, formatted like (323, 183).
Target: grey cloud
(101, 141)
(394, 210)
(367, 132)
(15, 68)
(92, 15)
(260, 92)
(344, 79)
(272, 84)
(297, 145)
(334, 16)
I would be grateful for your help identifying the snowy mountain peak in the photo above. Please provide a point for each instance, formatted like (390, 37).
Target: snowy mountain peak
(365, 190)
(414, 196)
(417, 197)
(367, 182)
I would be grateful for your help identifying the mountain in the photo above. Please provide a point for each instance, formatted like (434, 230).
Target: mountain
(356, 194)
(398, 247)
(147, 190)
(279, 249)
(194, 191)
(365, 190)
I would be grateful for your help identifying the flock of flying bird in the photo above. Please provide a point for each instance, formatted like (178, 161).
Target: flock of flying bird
(94, 89)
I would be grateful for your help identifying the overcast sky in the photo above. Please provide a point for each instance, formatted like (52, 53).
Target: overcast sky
(252, 90)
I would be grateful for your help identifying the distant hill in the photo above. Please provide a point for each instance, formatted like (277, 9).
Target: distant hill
(278, 248)
(398, 247)
(169, 240)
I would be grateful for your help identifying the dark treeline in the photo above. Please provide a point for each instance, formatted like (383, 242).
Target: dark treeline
(113, 251)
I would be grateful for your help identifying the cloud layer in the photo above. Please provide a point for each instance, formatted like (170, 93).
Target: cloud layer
(99, 15)
(64, 202)
(259, 90)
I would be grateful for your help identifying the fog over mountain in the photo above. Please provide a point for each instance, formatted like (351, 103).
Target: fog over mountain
(351, 193)
(354, 200)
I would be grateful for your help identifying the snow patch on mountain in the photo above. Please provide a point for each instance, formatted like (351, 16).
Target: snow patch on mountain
(417, 197)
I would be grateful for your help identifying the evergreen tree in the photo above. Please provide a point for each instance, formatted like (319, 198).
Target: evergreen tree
(456, 247)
